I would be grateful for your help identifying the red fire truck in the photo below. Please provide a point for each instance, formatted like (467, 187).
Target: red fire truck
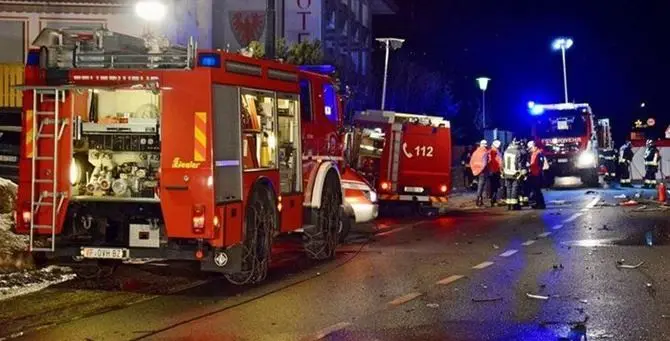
(568, 135)
(406, 157)
(136, 149)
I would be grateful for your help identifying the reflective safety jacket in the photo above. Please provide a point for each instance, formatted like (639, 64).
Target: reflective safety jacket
(513, 162)
(625, 154)
(651, 156)
(608, 155)
(479, 160)
(536, 163)
(495, 161)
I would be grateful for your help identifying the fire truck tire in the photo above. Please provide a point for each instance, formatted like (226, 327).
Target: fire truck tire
(345, 227)
(322, 237)
(261, 221)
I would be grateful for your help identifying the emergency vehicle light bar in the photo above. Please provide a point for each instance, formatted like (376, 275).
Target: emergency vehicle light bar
(395, 117)
(539, 108)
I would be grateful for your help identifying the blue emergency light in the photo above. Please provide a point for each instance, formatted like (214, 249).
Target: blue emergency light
(535, 109)
(320, 69)
(209, 60)
(33, 58)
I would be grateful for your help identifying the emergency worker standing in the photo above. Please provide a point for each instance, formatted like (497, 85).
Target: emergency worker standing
(495, 168)
(609, 161)
(524, 191)
(465, 164)
(513, 170)
(625, 160)
(535, 175)
(651, 159)
(479, 163)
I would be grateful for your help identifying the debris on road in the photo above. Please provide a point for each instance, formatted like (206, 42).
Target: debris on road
(629, 203)
(665, 316)
(25, 282)
(604, 228)
(591, 192)
(583, 301)
(433, 305)
(496, 246)
(628, 266)
(557, 267)
(487, 299)
(537, 297)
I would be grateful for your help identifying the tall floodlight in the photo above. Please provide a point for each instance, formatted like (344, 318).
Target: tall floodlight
(563, 44)
(150, 10)
(389, 43)
(483, 83)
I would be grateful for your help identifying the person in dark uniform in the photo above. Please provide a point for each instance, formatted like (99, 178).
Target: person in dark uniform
(524, 191)
(465, 165)
(652, 157)
(495, 169)
(536, 165)
(625, 160)
(609, 161)
(513, 170)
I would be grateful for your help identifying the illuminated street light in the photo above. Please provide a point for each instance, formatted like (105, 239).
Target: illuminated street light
(389, 43)
(483, 83)
(150, 10)
(563, 44)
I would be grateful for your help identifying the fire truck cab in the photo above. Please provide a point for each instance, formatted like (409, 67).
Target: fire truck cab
(406, 157)
(568, 135)
(133, 148)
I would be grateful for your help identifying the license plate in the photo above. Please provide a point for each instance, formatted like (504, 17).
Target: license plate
(414, 189)
(104, 253)
(562, 160)
(8, 158)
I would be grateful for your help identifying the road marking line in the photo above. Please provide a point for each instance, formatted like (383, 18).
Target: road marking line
(584, 210)
(594, 202)
(405, 298)
(482, 265)
(544, 235)
(557, 227)
(450, 279)
(329, 330)
(508, 253)
(527, 243)
(573, 218)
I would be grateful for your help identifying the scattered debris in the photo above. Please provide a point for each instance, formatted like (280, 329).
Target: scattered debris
(648, 285)
(665, 316)
(496, 246)
(487, 299)
(433, 305)
(620, 196)
(629, 203)
(583, 301)
(591, 192)
(628, 266)
(537, 297)
(484, 286)
(604, 228)
(559, 266)
(638, 195)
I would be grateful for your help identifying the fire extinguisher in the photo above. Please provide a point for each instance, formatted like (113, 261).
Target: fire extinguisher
(662, 192)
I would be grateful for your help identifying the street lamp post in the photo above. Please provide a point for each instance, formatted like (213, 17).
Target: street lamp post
(563, 44)
(389, 43)
(483, 83)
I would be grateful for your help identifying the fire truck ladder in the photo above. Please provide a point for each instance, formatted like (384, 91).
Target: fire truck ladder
(47, 198)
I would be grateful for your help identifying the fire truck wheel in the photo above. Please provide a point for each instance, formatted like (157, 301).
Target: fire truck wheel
(260, 223)
(321, 239)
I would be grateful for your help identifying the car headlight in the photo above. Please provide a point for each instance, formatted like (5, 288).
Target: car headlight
(586, 159)
(371, 195)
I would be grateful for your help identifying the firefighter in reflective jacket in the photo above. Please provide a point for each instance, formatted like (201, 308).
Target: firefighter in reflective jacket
(479, 164)
(609, 161)
(524, 190)
(535, 175)
(513, 171)
(625, 159)
(651, 159)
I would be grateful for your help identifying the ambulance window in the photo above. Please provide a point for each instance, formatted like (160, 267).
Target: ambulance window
(331, 108)
(305, 101)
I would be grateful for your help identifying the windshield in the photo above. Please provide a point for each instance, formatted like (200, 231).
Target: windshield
(563, 124)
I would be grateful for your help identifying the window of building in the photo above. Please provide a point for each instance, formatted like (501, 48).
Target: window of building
(305, 101)
(331, 107)
(12, 40)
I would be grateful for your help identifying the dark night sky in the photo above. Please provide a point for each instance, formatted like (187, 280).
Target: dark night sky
(620, 57)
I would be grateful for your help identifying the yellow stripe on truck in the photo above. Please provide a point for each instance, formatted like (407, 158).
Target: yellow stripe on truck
(29, 133)
(200, 137)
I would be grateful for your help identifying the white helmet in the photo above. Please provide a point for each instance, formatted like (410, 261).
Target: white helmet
(496, 144)
(483, 143)
(530, 144)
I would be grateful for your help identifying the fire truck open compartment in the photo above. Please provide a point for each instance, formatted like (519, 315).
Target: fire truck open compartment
(116, 144)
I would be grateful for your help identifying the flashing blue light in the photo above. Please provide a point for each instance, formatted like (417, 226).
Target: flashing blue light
(209, 60)
(33, 58)
(531, 104)
(536, 110)
(321, 69)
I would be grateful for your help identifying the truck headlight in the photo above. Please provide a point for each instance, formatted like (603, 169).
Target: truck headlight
(586, 159)
(75, 172)
(372, 196)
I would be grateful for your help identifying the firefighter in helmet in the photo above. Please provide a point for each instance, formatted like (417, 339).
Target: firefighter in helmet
(651, 160)
(513, 171)
(524, 191)
(625, 160)
(495, 168)
(479, 163)
(536, 166)
(609, 157)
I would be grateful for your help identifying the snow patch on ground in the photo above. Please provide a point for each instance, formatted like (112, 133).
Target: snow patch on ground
(25, 282)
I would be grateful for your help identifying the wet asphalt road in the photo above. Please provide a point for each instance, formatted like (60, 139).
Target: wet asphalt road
(465, 276)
